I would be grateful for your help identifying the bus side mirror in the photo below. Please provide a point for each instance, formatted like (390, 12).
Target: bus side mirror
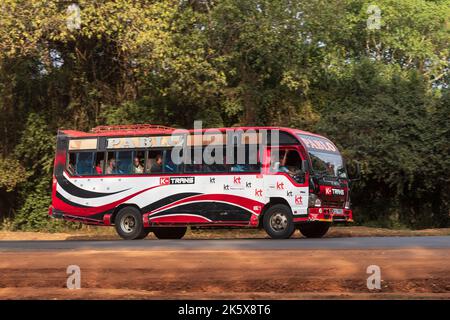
(276, 166)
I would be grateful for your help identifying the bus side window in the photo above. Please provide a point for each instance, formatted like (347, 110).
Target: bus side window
(124, 162)
(71, 164)
(138, 162)
(219, 163)
(275, 159)
(111, 166)
(84, 163)
(154, 163)
(246, 159)
(293, 160)
(194, 160)
(169, 165)
(99, 163)
(252, 158)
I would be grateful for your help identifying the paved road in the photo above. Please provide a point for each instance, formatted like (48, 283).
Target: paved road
(243, 244)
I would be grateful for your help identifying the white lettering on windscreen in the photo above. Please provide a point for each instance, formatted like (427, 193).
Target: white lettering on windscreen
(319, 144)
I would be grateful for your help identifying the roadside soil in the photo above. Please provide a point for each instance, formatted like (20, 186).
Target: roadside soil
(226, 274)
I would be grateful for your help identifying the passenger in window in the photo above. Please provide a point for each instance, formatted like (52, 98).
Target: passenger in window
(111, 168)
(330, 168)
(283, 164)
(157, 166)
(292, 167)
(137, 167)
(98, 167)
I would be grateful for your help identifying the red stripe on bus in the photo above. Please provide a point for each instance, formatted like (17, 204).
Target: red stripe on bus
(179, 218)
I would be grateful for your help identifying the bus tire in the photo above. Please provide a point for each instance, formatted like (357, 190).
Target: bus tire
(129, 225)
(315, 229)
(278, 222)
(169, 232)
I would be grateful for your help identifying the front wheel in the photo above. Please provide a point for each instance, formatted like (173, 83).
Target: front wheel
(314, 229)
(278, 222)
(169, 232)
(129, 225)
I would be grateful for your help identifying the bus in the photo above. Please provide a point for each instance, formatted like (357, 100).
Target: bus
(152, 178)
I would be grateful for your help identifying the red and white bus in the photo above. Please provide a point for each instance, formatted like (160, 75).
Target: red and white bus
(148, 178)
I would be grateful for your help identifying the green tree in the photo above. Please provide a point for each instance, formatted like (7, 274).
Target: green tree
(381, 94)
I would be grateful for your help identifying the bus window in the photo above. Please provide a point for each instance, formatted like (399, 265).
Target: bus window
(84, 163)
(138, 162)
(289, 162)
(99, 163)
(293, 162)
(246, 159)
(252, 158)
(71, 163)
(275, 162)
(219, 164)
(194, 161)
(124, 162)
(111, 165)
(169, 165)
(154, 162)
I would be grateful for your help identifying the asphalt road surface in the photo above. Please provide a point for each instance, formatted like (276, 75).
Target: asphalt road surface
(433, 242)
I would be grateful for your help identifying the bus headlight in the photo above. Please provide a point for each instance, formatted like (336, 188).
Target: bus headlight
(314, 201)
(318, 202)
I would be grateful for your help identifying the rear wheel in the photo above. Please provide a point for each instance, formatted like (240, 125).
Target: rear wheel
(315, 229)
(278, 222)
(129, 225)
(169, 232)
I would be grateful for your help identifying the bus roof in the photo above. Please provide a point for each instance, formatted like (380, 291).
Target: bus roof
(147, 129)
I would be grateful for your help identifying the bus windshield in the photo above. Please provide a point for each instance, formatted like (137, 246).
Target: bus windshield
(325, 157)
(328, 164)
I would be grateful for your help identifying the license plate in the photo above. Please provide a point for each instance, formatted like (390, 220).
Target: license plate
(337, 211)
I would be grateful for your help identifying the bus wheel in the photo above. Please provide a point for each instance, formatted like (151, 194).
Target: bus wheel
(128, 223)
(277, 222)
(315, 229)
(169, 232)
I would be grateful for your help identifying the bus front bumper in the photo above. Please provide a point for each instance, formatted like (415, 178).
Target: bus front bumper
(327, 215)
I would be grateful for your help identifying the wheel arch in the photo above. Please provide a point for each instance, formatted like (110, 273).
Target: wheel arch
(121, 206)
(273, 201)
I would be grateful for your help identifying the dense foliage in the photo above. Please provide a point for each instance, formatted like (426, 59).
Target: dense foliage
(382, 94)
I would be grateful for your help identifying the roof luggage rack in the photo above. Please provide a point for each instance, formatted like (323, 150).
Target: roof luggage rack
(131, 127)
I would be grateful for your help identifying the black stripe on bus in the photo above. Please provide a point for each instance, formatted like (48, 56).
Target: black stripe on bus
(73, 204)
(167, 200)
(81, 193)
(215, 211)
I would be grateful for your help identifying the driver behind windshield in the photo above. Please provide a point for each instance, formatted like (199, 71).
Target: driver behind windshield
(283, 167)
(290, 162)
(330, 168)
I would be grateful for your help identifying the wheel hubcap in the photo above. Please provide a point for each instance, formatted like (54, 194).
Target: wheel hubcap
(278, 222)
(128, 224)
